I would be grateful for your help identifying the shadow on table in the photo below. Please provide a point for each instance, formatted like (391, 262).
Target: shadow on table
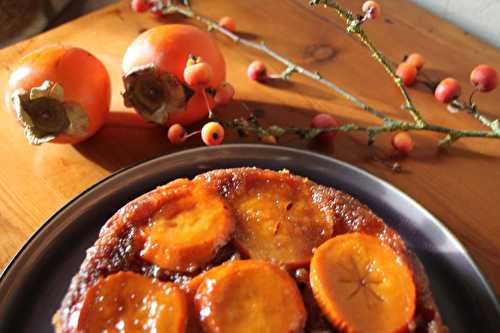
(116, 145)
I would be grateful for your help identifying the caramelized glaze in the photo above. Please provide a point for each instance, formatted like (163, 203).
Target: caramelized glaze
(327, 213)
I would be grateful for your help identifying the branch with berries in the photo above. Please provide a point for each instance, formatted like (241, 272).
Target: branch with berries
(483, 78)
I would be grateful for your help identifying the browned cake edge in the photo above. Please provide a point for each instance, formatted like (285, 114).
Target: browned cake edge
(107, 255)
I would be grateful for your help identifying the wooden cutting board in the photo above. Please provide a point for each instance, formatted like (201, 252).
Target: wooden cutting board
(460, 187)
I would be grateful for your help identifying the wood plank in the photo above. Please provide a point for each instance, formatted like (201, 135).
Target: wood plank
(459, 187)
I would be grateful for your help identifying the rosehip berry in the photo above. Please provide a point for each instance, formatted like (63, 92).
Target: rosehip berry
(407, 72)
(176, 134)
(416, 60)
(371, 9)
(484, 78)
(212, 133)
(402, 142)
(447, 90)
(198, 75)
(224, 94)
(257, 71)
(227, 23)
(324, 120)
(270, 139)
(139, 6)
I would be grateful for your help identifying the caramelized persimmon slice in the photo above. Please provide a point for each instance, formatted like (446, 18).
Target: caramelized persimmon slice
(278, 220)
(188, 230)
(362, 285)
(249, 296)
(132, 303)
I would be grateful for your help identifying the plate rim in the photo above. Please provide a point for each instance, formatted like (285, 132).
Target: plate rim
(443, 228)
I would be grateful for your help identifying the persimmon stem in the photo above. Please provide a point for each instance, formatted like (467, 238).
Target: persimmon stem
(353, 26)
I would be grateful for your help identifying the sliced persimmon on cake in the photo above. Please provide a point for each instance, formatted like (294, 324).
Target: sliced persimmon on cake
(248, 250)
(186, 232)
(278, 216)
(249, 296)
(362, 285)
(129, 302)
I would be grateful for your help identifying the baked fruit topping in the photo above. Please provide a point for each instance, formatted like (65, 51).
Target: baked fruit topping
(249, 296)
(188, 230)
(248, 250)
(129, 302)
(278, 220)
(362, 285)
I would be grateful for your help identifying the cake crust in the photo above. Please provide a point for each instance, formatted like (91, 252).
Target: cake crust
(118, 245)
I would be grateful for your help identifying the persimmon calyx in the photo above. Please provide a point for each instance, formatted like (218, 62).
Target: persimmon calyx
(154, 94)
(44, 114)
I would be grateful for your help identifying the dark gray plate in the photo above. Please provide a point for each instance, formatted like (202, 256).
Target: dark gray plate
(34, 283)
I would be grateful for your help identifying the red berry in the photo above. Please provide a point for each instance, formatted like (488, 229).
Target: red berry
(212, 133)
(371, 9)
(257, 71)
(139, 6)
(407, 72)
(227, 23)
(416, 60)
(224, 94)
(324, 120)
(176, 134)
(198, 75)
(484, 78)
(402, 142)
(447, 90)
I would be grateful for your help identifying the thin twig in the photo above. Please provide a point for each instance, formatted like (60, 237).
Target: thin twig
(290, 66)
(353, 26)
(471, 108)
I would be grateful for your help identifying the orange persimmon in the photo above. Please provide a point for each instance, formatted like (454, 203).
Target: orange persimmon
(188, 230)
(250, 296)
(278, 220)
(153, 68)
(130, 302)
(59, 94)
(363, 285)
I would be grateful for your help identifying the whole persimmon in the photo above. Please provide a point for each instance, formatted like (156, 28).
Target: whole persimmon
(59, 94)
(153, 74)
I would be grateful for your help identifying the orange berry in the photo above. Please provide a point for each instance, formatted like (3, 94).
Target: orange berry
(371, 9)
(407, 72)
(212, 133)
(269, 139)
(224, 94)
(402, 142)
(176, 134)
(227, 23)
(257, 71)
(198, 75)
(484, 78)
(447, 90)
(416, 59)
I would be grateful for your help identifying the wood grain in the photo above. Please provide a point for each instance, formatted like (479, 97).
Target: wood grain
(460, 187)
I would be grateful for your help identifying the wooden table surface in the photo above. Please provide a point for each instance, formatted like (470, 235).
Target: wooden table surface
(460, 187)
